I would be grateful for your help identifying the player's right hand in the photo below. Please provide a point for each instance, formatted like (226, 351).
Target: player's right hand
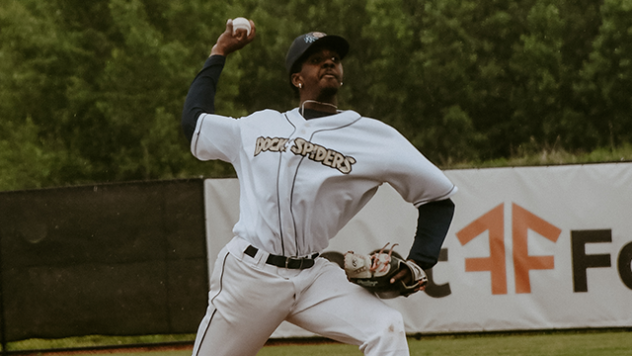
(229, 41)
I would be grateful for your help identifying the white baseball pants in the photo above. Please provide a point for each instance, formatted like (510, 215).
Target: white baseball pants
(249, 299)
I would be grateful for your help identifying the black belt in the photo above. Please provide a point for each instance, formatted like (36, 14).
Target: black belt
(284, 262)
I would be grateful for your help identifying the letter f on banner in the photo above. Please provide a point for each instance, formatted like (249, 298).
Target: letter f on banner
(522, 221)
(492, 221)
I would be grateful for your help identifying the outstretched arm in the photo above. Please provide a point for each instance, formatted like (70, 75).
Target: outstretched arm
(201, 96)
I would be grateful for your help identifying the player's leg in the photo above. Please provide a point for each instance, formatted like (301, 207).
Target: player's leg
(245, 307)
(340, 310)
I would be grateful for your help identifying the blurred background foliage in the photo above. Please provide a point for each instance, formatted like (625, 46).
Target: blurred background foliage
(92, 91)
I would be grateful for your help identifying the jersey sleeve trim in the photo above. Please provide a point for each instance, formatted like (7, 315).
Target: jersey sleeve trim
(451, 192)
(196, 136)
(216, 137)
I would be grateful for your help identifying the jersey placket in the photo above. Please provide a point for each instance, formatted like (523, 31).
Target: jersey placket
(288, 165)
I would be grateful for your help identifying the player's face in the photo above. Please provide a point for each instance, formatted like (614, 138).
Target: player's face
(321, 73)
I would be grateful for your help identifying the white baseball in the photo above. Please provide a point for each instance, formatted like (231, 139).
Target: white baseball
(241, 23)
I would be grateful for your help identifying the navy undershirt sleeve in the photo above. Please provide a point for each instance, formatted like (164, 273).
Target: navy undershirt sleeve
(201, 96)
(432, 227)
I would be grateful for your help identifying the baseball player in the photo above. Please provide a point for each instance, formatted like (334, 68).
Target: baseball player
(303, 175)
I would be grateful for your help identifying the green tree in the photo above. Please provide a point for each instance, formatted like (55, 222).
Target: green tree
(92, 91)
(538, 68)
(439, 58)
(606, 88)
(33, 76)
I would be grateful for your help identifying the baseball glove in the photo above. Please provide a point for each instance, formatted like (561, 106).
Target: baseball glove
(374, 272)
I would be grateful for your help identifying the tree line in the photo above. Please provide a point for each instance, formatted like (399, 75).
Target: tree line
(92, 91)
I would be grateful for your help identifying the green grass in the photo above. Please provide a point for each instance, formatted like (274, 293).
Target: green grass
(579, 344)
(148, 353)
(559, 344)
(96, 341)
(585, 343)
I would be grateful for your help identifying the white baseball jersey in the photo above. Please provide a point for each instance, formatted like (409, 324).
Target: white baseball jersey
(302, 180)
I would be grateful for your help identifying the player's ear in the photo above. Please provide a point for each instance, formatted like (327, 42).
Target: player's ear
(297, 80)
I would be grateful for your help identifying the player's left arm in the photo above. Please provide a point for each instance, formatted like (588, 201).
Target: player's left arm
(432, 227)
(423, 184)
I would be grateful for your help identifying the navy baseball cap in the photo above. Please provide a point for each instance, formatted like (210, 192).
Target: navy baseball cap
(304, 42)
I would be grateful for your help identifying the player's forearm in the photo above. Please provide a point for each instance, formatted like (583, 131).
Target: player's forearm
(432, 227)
(201, 96)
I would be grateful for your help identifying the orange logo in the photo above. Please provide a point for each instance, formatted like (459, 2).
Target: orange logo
(522, 221)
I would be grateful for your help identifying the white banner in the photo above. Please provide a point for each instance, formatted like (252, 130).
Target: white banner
(529, 248)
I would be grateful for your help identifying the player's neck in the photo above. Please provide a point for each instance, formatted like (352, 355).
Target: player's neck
(323, 106)
(309, 114)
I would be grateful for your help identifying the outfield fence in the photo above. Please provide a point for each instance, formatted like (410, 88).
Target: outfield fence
(530, 248)
(107, 259)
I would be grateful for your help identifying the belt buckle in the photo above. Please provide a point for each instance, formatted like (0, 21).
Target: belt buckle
(289, 259)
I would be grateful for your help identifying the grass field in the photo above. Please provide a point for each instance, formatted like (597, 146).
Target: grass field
(585, 344)
(611, 343)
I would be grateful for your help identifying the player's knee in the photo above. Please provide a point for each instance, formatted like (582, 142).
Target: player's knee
(394, 324)
(388, 337)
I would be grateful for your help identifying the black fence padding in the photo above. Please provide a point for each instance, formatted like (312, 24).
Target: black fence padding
(112, 259)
